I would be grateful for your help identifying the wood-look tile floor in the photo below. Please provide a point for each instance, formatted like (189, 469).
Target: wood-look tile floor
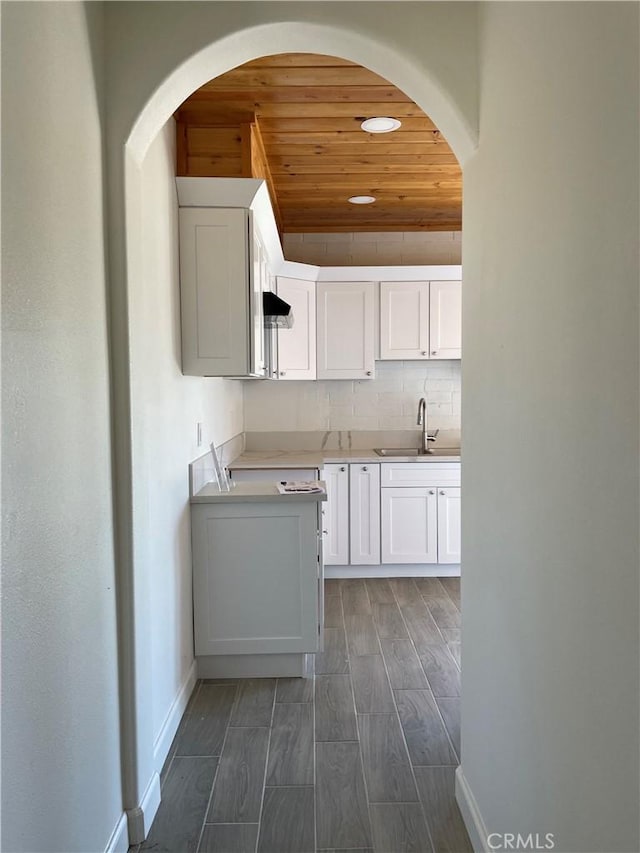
(360, 758)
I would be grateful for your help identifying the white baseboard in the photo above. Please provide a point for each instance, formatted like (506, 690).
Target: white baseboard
(139, 820)
(471, 814)
(119, 841)
(163, 742)
(395, 570)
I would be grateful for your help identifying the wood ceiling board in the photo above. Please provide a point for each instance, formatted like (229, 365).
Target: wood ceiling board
(303, 94)
(316, 158)
(301, 109)
(286, 139)
(337, 124)
(297, 228)
(248, 77)
(442, 172)
(297, 60)
(330, 180)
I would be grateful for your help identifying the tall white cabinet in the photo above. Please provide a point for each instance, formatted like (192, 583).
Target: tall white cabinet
(345, 327)
(335, 515)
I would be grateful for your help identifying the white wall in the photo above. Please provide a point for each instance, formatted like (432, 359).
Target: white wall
(550, 427)
(387, 402)
(165, 409)
(365, 248)
(60, 729)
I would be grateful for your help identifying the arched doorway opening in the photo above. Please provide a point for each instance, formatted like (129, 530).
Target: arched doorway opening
(141, 781)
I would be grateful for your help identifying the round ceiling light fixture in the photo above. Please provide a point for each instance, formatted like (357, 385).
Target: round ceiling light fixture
(380, 124)
(362, 199)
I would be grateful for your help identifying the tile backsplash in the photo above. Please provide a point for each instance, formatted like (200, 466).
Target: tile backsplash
(387, 402)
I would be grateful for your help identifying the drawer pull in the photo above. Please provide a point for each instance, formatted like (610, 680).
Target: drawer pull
(431, 492)
(364, 468)
(342, 468)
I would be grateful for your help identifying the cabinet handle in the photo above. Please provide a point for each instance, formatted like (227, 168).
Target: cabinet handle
(434, 352)
(364, 468)
(431, 492)
(326, 532)
(342, 468)
(442, 492)
(424, 352)
(368, 373)
(282, 373)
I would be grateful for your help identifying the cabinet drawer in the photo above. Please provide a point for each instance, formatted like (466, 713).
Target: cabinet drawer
(420, 474)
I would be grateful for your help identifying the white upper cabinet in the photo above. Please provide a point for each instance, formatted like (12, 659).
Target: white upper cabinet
(297, 346)
(222, 275)
(445, 319)
(404, 319)
(420, 319)
(346, 322)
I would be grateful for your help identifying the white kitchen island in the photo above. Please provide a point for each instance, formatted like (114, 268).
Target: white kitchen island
(257, 580)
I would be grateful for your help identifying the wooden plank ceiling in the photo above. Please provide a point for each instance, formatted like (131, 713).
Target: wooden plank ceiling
(294, 119)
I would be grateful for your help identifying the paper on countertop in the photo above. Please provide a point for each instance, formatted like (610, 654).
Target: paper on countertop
(286, 487)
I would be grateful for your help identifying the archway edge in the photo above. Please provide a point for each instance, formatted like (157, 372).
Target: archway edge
(254, 42)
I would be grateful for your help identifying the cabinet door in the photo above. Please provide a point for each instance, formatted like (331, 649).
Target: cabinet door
(255, 578)
(297, 346)
(409, 525)
(404, 319)
(364, 504)
(336, 516)
(346, 330)
(449, 525)
(214, 291)
(445, 319)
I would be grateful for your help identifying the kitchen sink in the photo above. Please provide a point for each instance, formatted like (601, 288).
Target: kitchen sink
(414, 451)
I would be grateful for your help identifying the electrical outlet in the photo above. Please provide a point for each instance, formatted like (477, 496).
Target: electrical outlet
(198, 434)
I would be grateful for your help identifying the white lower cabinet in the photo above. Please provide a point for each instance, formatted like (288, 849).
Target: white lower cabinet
(335, 514)
(364, 522)
(409, 525)
(449, 525)
(257, 574)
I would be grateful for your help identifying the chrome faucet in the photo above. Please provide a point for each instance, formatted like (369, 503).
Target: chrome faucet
(422, 421)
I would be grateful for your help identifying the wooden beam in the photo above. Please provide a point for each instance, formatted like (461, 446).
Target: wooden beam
(260, 169)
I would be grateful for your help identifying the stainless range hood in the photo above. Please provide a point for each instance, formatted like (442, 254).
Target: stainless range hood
(277, 312)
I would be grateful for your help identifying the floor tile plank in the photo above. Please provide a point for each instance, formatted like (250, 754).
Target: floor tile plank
(379, 591)
(229, 838)
(399, 828)
(371, 685)
(451, 635)
(185, 796)
(403, 665)
(332, 586)
(294, 690)
(450, 709)
(387, 769)
(421, 626)
(237, 794)
(452, 586)
(291, 749)
(335, 711)
(333, 611)
(362, 638)
(444, 612)
(389, 622)
(203, 726)
(405, 591)
(441, 670)
(342, 815)
(436, 788)
(334, 659)
(423, 728)
(254, 702)
(456, 653)
(287, 821)
(355, 598)
(430, 587)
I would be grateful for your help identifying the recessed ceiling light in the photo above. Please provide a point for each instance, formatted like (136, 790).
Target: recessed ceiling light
(362, 199)
(380, 124)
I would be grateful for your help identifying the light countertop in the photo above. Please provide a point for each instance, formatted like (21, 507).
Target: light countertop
(260, 492)
(316, 458)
